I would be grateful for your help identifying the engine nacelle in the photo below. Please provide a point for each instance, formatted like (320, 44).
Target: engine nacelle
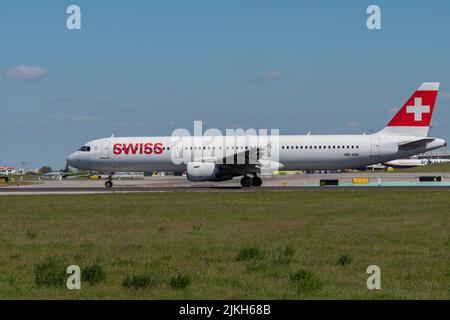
(207, 171)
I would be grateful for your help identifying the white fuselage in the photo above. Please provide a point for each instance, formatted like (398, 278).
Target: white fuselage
(291, 152)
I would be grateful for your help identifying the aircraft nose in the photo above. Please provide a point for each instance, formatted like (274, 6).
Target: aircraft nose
(71, 159)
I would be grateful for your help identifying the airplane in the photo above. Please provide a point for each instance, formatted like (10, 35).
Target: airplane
(54, 175)
(411, 163)
(232, 156)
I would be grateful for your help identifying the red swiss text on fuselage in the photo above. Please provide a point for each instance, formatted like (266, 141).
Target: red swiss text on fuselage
(138, 148)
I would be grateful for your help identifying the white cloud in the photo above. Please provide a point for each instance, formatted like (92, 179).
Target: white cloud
(267, 76)
(353, 125)
(26, 72)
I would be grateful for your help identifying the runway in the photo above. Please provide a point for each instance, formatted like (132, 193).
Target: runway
(278, 183)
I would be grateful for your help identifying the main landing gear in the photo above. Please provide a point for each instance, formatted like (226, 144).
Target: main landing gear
(247, 182)
(108, 183)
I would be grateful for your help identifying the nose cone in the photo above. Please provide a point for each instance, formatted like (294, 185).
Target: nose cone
(71, 160)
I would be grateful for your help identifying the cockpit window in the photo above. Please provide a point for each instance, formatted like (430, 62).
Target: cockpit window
(85, 149)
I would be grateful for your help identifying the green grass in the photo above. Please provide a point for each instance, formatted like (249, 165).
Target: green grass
(230, 245)
(137, 282)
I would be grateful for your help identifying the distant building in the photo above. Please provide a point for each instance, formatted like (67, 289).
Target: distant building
(5, 170)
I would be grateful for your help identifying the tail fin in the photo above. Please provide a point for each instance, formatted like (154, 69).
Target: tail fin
(415, 116)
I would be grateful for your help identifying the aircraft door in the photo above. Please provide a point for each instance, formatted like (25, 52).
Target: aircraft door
(375, 146)
(104, 149)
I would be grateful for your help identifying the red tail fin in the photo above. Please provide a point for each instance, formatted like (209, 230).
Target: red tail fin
(414, 117)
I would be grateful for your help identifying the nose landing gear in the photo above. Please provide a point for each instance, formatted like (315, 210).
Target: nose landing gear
(108, 183)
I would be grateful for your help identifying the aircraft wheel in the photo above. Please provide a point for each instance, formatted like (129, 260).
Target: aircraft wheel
(256, 181)
(246, 182)
(108, 184)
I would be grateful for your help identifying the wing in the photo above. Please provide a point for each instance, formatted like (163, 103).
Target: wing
(250, 156)
(245, 161)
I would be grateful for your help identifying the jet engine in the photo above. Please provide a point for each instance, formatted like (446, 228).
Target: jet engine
(207, 171)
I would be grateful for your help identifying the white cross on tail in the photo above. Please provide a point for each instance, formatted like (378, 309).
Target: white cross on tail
(418, 109)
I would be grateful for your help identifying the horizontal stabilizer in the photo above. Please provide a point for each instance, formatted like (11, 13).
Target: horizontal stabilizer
(416, 143)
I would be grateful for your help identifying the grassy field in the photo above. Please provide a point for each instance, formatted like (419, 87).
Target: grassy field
(230, 245)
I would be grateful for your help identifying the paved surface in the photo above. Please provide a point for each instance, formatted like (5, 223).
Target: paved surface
(393, 180)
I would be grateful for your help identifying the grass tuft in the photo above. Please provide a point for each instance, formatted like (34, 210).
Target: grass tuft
(137, 282)
(180, 281)
(249, 253)
(31, 235)
(306, 281)
(93, 274)
(49, 273)
(345, 259)
(286, 256)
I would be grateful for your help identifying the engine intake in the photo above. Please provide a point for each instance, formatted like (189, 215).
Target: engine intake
(207, 171)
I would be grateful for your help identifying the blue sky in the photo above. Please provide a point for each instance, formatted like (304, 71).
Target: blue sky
(149, 67)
